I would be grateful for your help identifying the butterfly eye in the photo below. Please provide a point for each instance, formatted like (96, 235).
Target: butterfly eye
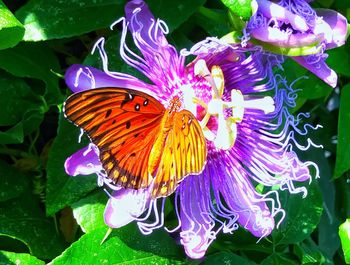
(137, 107)
(127, 124)
(145, 103)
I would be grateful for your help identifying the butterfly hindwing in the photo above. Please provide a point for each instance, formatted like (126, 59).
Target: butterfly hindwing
(124, 124)
(184, 153)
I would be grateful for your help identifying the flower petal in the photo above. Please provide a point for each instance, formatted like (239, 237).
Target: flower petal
(196, 223)
(79, 78)
(272, 10)
(161, 62)
(125, 205)
(338, 27)
(141, 21)
(84, 162)
(233, 183)
(319, 68)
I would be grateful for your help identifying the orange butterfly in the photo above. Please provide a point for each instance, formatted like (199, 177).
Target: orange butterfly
(140, 141)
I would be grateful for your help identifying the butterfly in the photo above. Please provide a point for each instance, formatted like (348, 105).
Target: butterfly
(141, 143)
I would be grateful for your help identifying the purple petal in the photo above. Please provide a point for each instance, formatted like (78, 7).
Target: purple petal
(125, 205)
(142, 21)
(318, 68)
(338, 27)
(196, 223)
(161, 62)
(233, 183)
(272, 10)
(84, 162)
(79, 78)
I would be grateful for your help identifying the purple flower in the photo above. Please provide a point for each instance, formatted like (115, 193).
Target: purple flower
(294, 28)
(221, 87)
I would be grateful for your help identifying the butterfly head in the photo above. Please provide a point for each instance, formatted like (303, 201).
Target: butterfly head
(174, 104)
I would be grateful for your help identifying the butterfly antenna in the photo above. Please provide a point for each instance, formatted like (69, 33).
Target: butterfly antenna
(109, 231)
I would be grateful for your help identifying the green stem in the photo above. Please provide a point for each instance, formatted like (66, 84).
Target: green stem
(13, 152)
(32, 149)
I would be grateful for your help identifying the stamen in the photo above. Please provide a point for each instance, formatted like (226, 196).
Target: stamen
(237, 104)
(218, 78)
(201, 69)
(226, 134)
(266, 104)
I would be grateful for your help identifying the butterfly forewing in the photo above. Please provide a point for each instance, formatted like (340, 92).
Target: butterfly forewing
(124, 125)
(184, 153)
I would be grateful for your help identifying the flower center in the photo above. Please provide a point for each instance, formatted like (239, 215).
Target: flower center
(225, 135)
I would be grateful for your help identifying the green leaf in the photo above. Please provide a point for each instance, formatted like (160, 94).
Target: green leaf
(309, 253)
(302, 216)
(55, 19)
(88, 250)
(16, 97)
(342, 162)
(328, 240)
(34, 60)
(326, 3)
(278, 259)
(72, 18)
(13, 182)
(344, 234)
(313, 87)
(241, 8)
(14, 135)
(22, 109)
(226, 258)
(342, 4)
(339, 60)
(22, 219)
(89, 211)
(213, 21)
(175, 12)
(18, 258)
(11, 30)
(63, 190)
(159, 242)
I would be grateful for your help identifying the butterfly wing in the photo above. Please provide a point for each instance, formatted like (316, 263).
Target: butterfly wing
(184, 153)
(124, 124)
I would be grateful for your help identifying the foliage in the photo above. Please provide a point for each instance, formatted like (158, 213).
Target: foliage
(46, 216)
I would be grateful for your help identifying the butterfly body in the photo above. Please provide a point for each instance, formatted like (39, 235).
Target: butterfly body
(141, 143)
